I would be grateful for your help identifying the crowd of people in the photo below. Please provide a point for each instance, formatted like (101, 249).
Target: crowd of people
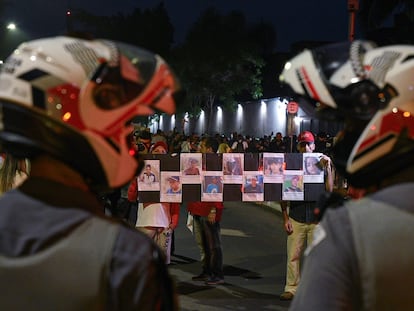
(179, 142)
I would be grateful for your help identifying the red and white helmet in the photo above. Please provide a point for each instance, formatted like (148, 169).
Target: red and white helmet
(370, 89)
(75, 99)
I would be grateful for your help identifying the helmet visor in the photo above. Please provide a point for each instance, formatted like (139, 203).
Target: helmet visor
(123, 78)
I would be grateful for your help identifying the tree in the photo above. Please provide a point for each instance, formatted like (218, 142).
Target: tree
(150, 29)
(218, 61)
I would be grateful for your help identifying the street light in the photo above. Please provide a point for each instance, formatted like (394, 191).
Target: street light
(11, 36)
(11, 26)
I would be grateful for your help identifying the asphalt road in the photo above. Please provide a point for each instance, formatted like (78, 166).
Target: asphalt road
(254, 251)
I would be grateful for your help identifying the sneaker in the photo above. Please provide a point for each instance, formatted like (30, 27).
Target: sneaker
(286, 296)
(214, 281)
(200, 277)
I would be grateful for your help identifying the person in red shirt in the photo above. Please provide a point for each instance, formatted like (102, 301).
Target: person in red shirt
(206, 218)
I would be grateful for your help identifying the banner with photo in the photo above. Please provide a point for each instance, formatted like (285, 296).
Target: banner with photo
(224, 177)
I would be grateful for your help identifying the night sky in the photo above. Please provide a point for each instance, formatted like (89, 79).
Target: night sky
(294, 20)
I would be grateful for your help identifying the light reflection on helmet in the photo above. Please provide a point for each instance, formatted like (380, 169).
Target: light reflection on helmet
(75, 99)
(371, 90)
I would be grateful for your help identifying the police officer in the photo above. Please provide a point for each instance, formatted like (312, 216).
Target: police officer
(66, 104)
(361, 257)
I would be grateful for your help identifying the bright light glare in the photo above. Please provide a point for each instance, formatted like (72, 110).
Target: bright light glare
(66, 116)
(219, 112)
(219, 120)
(161, 122)
(288, 65)
(11, 26)
(263, 109)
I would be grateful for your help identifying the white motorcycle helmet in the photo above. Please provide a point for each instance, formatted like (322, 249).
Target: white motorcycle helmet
(370, 89)
(75, 99)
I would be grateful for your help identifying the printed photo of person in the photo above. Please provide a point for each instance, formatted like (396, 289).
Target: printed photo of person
(273, 166)
(174, 185)
(253, 187)
(171, 190)
(149, 179)
(213, 184)
(212, 188)
(233, 168)
(292, 184)
(190, 166)
(293, 189)
(313, 168)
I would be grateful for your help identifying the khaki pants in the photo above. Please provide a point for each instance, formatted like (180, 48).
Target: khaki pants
(295, 246)
(162, 237)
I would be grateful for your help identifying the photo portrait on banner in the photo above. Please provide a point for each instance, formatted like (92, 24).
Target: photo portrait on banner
(253, 189)
(190, 168)
(171, 190)
(293, 188)
(273, 164)
(233, 164)
(212, 186)
(149, 179)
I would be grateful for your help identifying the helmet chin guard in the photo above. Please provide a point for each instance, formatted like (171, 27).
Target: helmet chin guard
(74, 99)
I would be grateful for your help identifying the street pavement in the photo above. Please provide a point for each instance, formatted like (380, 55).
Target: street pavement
(254, 251)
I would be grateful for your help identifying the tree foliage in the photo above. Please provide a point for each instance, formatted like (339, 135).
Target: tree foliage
(150, 28)
(218, 62)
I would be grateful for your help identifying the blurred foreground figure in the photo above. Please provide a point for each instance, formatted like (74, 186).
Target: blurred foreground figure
(67, 104)
(361, 256)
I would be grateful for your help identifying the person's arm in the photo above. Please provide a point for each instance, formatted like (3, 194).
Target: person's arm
(216, 211)
(175, 214)
(133, 190)
(327, 165)
(211, 217)
(286, 221)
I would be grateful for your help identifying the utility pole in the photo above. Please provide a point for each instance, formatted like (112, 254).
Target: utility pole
(353, 6)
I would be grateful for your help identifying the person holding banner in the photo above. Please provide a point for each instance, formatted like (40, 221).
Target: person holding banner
(206, 224)
(300, 222)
